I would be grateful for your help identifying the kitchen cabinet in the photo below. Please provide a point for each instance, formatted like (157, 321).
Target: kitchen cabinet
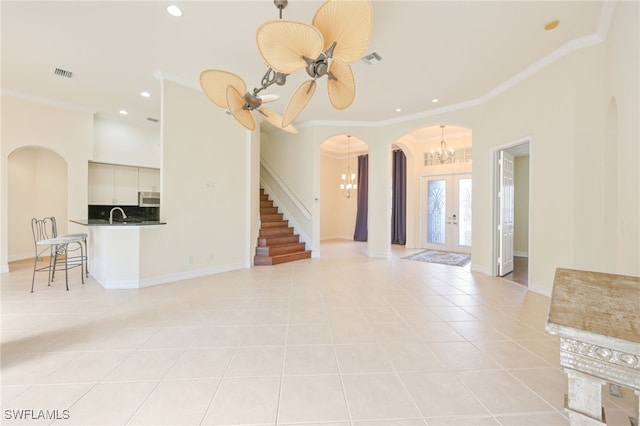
(148, 179)
(111, 184)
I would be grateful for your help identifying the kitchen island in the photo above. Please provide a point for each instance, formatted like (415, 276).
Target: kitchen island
(115, 260)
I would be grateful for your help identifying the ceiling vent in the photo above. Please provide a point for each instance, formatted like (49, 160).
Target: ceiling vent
(371, 58)
(63, 73)
(155, 120)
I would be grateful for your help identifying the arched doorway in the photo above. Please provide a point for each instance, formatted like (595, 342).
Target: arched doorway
(37, 187)
(339, 157)
(438, 187)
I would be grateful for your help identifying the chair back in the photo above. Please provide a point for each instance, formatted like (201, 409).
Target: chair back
(43, 229)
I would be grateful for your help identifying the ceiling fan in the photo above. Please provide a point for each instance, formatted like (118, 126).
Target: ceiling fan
(338, 37)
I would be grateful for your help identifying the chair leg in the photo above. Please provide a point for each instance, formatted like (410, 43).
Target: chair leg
(35, 265)
(66, 267)
(53, 260)
(86, 258)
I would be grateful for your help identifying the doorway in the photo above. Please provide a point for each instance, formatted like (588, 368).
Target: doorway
(511, 212)
(446, 205)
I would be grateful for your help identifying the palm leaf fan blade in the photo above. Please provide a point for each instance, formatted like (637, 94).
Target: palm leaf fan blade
(236, 103)
(298, 101)
(283, 44)
(342, 89)
(214, 83)
(348, 23)
(276, 119)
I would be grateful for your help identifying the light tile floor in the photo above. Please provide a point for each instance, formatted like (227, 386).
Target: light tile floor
(337, 340)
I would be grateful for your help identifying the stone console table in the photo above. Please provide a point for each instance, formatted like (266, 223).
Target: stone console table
(597, 317)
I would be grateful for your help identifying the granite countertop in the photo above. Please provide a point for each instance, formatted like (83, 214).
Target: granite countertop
(126, 222)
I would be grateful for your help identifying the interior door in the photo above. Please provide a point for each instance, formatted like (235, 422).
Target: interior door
(506, 212)
(447, 212)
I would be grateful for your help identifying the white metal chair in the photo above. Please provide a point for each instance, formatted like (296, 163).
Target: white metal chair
(82, 246)
(46, 242)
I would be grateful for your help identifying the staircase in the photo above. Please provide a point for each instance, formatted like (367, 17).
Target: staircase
(276, 241)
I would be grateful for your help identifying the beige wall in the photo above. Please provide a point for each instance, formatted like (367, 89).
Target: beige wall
(68, 133)
(120, 142)
(562, 111)
(337, 212)
(521, 201)
(205, 181)
(37, 188)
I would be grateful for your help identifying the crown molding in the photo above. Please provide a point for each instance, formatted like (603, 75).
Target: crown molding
(47, 101)
(604, 22)
(163, 75)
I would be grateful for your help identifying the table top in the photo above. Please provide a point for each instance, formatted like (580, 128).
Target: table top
(598, 303)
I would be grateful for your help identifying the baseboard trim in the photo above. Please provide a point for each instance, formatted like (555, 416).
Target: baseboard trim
(521, 253)
(480, 268)
(166, 279)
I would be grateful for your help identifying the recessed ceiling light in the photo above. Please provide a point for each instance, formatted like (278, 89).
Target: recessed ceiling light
(145, 94)
(174, 10)
(398, 109)
(551, 25)
(434, 100)
(123, 112)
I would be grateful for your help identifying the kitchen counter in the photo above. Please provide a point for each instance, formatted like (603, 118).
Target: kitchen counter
(118, 252)
(127, 222)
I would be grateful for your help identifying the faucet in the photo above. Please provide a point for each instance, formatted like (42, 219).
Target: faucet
(124, 216)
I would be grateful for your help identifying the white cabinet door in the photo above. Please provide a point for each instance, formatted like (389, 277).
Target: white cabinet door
(101, 184)
(113, 185)
(148, 179)
(126, 185)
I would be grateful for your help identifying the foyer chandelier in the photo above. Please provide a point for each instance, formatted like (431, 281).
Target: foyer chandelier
(444, 154)
(348, 180)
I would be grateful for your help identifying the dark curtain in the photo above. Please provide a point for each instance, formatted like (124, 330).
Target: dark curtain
(360, 234)
(399, 198)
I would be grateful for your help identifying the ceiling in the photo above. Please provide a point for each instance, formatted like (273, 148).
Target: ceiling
(450, 50)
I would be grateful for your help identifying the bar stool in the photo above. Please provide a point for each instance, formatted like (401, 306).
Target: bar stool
(45, 240)
(75, 236)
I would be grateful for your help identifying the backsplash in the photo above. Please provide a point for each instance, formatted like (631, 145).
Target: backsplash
(133, 212)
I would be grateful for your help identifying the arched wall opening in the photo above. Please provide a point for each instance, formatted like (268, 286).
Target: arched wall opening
(37, 187)
(337, 208)
(421, 148)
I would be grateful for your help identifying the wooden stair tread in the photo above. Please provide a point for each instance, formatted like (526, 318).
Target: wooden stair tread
(277, 242)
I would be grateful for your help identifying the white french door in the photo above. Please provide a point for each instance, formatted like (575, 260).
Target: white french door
(506, 213)
(446, 218)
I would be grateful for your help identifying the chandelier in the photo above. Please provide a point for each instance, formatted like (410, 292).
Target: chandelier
(348, 180)
(444, 154)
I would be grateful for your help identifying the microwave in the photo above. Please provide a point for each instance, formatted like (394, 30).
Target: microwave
(148, 199)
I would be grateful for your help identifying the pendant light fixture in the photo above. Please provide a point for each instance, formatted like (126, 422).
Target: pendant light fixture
(348, 182)
(444, 154)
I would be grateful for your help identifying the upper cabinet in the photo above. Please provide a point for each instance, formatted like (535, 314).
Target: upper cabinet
(111, 184)
(148, 179)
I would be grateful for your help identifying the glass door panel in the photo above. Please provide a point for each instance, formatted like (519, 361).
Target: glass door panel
(447, 212)
(437, 206)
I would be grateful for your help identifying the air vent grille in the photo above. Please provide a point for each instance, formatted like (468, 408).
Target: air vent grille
(371, 58)
(63, 73)
(155, 120)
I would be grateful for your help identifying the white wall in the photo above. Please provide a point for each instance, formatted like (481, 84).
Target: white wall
(65, 131)
(37, 188)
(337, 212)
(521, 201)
(562, 110)
(121, 142)
(205, 182)
(622, 142)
